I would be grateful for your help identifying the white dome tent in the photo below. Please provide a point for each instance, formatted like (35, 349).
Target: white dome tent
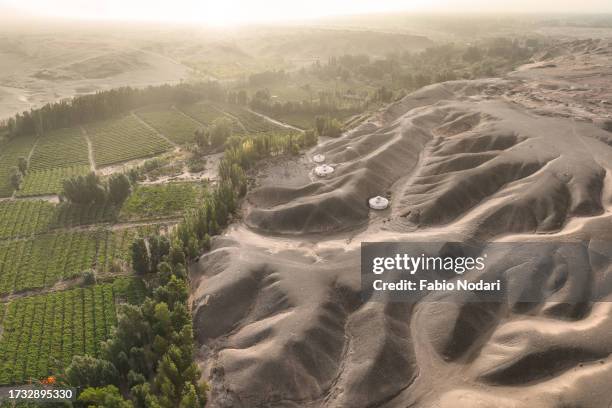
(323, 170)
(318, 158)
(378, 203)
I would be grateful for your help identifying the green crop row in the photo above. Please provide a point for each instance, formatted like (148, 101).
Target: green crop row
(41, 333)
(162, 200)
(124, 139)
(10, 152)
(205, 113)
(60, 148)
(44, 182)
(24, 218)
(252, 122)
(175, 125)
(46, 259)
(114, 253)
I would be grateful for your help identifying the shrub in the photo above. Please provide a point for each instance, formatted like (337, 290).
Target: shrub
(89, 277)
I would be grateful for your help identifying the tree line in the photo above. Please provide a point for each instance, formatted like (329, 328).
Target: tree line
(105, 104)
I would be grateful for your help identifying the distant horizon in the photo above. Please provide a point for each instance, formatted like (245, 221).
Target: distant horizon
(244, 12)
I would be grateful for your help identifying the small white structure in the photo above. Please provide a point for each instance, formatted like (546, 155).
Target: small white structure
(378, 203)
(323, 170)
(318, 158)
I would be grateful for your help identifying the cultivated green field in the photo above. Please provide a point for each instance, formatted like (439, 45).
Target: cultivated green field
(203, 112)
(9, 153)
(170, 122)
(124, 139)
(60, 148)
(44, 182)
(45, 259)
(162, 200)
(25, 217)
(252, 122)
(41, 333)
(114, 253)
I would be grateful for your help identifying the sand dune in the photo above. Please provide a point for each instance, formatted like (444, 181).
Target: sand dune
(277, 309)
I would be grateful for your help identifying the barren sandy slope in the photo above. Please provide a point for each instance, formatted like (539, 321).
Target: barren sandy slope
(277, 309)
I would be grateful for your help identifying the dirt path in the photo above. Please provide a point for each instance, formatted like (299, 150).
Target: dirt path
(229, 115)
(187, 116)
(92, 163)
(276, 122)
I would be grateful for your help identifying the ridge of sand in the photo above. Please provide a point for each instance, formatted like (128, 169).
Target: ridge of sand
(278, 316)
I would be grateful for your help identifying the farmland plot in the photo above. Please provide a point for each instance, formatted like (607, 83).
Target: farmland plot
(60, 148)
(171, 123)
(41, 333)
(49, 181)
(124, 139)
(161, 200)
(42, 261)
(25, 217)
(252, 122)
(9, 154)
(114, 254)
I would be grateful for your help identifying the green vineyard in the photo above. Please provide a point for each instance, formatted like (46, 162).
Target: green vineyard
(60, 148)
(124, 139)
(25, 217)
(114, 253)
(203, 112)
(44, 182)
(175, 125)
(41, 333)
(252, 122)
(9, 154)
(161, 200)
(46, 259)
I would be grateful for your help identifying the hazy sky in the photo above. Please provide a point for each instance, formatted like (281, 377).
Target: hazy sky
(221, 12)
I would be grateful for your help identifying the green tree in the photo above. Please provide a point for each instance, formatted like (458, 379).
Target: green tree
(220, 131)
(84, 189)
(87, 371)
(119, 188)
(22, 164)
(141, 260)
(104, 397)
(15, 177)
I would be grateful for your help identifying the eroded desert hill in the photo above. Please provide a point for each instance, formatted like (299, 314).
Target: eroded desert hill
(277, 309)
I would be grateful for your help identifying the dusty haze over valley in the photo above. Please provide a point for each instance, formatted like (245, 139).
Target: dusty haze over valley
(184, 195)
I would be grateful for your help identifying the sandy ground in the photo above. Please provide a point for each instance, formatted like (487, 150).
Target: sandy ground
(277, 310)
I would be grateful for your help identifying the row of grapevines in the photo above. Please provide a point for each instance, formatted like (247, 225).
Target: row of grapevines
(49, 181)
(41, 333)
(124, 139)
(114, 253)
(161, 200)
(9, 154)
(60, 148)
(41, 261)
(252, 122)
(170, 122)
(24, 217)
(205, 113)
